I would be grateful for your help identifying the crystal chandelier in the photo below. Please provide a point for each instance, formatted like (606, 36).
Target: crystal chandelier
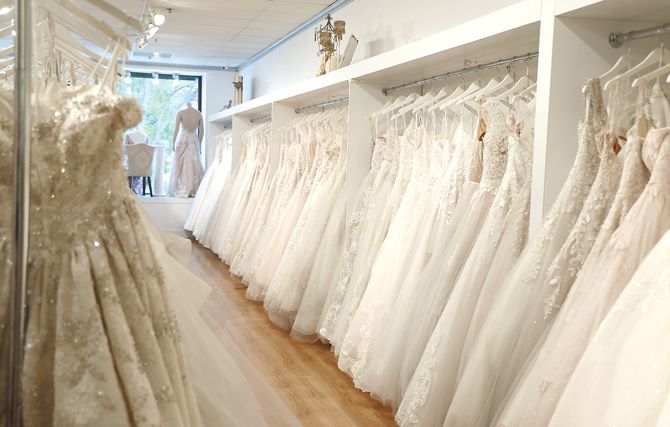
(329, 37)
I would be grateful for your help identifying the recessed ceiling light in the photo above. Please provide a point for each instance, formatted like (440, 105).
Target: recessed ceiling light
(156, 55)
(5, 10)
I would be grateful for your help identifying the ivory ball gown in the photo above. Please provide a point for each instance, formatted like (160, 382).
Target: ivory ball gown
(113, 335)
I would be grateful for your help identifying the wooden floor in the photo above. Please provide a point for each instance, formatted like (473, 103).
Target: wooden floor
(305, 376)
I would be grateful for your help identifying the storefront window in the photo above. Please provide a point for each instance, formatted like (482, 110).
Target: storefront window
(161, 96)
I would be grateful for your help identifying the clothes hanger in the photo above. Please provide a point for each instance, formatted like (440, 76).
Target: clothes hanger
(661, 70)
(409, 107)
(55, 7)
(623, 60)
(502, 84)
(93, 36)
(656, 56)
(445, 91)
(408, 99)
(458, 92)
(519, 86)
(528, 90)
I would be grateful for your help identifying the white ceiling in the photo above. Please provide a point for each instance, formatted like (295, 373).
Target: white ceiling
(221, 32)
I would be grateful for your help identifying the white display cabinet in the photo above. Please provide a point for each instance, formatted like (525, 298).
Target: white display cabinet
(571, 37)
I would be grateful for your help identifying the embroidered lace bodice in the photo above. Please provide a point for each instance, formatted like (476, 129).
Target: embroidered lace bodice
(494, 156)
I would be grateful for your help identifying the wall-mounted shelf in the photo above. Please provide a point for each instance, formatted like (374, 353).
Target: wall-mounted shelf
(571, 37)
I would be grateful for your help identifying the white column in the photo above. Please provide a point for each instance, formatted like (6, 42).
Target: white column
(364, 99)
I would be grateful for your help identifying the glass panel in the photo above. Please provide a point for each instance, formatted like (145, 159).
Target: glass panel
(160, 98)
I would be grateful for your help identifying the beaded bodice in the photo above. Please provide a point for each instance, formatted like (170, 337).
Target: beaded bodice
(80, 139)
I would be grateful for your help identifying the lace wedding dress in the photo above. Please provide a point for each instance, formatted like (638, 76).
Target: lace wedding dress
(490, 368)
(387, 272)
(622, 378)
(187, 171)
(541, 385)
(440, 327)
(367, 228)
(106, 345)
(288, 284)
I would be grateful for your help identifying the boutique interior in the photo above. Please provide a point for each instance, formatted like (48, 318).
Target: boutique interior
(335, 213)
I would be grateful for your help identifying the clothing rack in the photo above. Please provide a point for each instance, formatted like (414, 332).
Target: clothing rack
(466, 70)
(20, 238)
(322, 105)
(261, 119)
(618, 39)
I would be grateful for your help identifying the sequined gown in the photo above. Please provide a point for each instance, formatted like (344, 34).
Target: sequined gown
(114, 337)
(102, 344)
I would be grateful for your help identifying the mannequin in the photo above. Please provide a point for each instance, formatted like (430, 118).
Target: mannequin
(187, 171)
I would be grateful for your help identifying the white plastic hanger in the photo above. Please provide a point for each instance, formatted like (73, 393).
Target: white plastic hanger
(93, 36)
(456, 93)
(440, 95)
(72, 8)
(660, 71)
(656, 56)
(489, 86)
(387, 107)
(528, 91)
(508, 80)
(407, 108)
(519, 86)
(624, 60)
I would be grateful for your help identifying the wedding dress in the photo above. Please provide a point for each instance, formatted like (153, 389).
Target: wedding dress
(295, 167)
(367, 229)
(288, 284)
(390, 263)
(487, 373)
(276, 246)
(601, 282)
(622, 378)
(187, 171)
(387, 355)
(211, 185)
(440, 324)
(102, 343)
(220, 178)
(113, 334)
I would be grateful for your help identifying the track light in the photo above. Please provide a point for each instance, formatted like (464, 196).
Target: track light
(158, 19)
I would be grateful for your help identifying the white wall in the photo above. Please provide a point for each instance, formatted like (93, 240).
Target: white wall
(379, 25)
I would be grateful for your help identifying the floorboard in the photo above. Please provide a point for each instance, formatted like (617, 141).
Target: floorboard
(305, 376)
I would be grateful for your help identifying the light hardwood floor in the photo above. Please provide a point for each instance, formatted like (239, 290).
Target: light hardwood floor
(305, 376)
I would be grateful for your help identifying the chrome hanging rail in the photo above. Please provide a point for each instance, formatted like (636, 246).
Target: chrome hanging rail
(22, 131)
(467, 70)
(618, 39)
(260, 119)
(326, 104)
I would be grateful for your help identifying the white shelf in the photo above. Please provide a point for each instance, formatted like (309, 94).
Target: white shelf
(506, 32)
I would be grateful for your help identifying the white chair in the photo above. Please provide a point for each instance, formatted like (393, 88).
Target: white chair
(140, 160)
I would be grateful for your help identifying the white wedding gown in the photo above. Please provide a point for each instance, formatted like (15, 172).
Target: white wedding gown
(113, 334)
(441, 322)
(210, 187)
(622, 379)
(187, 170)
(632, 225)
(491, 365)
